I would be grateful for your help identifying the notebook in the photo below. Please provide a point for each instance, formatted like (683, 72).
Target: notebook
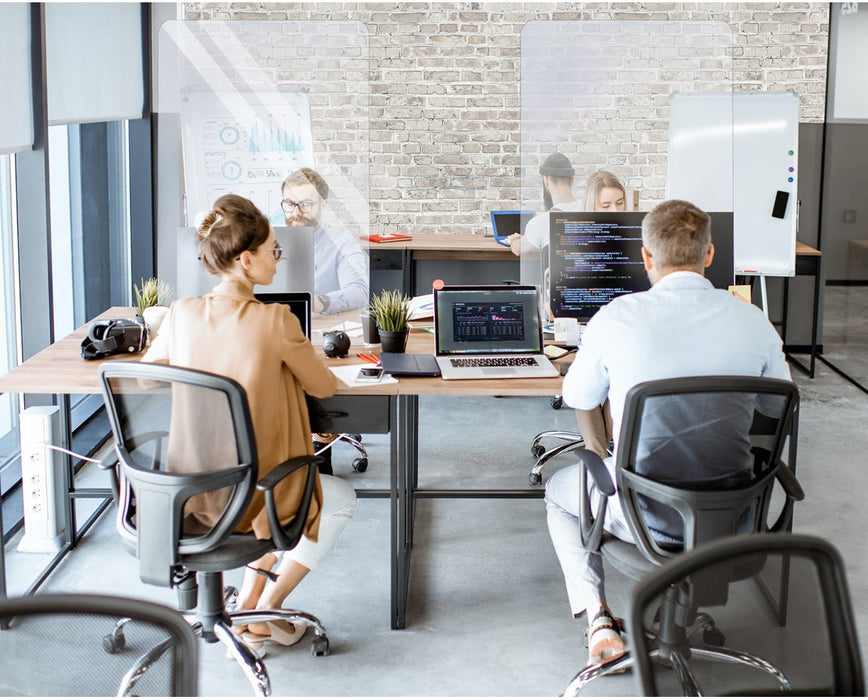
(401, 364)
(298, 302)
(487, 332)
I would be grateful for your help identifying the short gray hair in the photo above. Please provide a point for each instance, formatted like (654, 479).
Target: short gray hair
(677, 234)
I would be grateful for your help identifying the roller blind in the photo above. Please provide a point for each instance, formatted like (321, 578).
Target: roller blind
(16, 105)
(94, 66)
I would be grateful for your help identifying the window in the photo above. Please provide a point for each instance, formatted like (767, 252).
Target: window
(8, 344)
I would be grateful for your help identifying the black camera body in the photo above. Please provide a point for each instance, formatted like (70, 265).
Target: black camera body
(113, 336)
(335, 344)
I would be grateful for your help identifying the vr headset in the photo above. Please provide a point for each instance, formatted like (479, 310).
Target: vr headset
(114, 336)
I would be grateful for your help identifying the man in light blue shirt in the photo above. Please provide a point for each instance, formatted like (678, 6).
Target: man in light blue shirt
(681, 327)
(340, 264)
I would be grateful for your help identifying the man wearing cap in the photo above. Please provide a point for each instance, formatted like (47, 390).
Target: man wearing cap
(557, 180)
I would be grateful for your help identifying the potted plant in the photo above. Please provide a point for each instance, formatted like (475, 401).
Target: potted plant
(152, 301)
(391, 310)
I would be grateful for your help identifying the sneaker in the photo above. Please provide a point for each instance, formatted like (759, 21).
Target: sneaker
(604, 638)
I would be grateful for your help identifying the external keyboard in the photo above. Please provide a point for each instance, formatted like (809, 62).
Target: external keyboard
(494, 362)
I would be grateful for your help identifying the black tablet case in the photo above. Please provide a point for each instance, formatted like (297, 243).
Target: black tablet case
(400, 364)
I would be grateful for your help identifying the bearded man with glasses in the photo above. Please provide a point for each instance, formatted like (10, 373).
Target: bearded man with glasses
(340, 264)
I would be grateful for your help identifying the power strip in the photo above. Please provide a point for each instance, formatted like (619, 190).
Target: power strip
(42, 481)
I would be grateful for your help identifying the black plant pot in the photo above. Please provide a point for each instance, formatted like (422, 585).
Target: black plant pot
(394, 341)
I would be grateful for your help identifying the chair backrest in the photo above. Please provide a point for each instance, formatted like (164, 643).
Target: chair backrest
(698, 456)
(817, 650)
(57, 645)
(185, 443)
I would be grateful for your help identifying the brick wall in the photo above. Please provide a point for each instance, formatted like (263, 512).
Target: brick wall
(445, 96)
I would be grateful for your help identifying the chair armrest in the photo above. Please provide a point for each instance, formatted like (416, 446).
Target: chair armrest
(789, 482)
(590, 463)
(287, 537)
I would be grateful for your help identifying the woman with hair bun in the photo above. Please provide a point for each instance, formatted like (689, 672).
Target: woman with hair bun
(262, 347)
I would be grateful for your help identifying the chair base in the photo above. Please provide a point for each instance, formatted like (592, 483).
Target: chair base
(570, 440)
(677, 659)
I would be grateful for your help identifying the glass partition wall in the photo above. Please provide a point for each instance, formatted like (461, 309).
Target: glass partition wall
(843, 232)
(242, 105)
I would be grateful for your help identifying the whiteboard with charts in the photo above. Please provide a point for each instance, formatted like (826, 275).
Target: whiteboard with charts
(739, 152)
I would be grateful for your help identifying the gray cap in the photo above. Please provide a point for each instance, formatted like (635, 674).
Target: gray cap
(558, 165)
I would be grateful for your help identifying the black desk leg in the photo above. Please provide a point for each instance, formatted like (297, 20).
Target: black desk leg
(404, 457)
(408, 272)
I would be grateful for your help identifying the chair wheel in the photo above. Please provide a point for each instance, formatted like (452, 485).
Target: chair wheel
(557, 402)
(360, 464)
(537, 451)
(113, 643)
(714, 637)
(534, 479)
(319, 646)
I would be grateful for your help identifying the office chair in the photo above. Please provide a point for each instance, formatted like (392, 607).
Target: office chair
(188, 472)
(697, 460)
(817, 653)
(56, 646)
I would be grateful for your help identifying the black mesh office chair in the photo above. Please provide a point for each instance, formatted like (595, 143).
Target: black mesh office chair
(56, 645)
(697, 460)
(188, 471)
(815, 654)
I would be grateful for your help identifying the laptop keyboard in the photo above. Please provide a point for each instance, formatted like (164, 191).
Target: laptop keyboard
(494, 362)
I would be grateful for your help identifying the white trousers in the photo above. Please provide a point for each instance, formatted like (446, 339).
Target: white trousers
(583, 570)
(338, 505)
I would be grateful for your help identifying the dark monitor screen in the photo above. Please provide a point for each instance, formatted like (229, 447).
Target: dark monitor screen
(505, 223)
(596, 257)
(298, 302)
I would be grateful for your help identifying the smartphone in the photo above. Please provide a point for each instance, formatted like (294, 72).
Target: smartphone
(369, 374)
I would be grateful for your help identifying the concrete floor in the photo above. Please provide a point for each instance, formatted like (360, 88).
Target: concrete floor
(488, 614)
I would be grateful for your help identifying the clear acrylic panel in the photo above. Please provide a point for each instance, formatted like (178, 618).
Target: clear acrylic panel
(258, 100)
(601, 95)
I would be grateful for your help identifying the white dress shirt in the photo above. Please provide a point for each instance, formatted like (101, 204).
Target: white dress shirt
(340, 270)
(681, 327)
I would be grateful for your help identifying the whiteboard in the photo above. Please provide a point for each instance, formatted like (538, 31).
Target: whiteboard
(739, 152)
(243, 143)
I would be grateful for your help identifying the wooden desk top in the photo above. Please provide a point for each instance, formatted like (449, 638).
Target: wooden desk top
(802, 249)
(59, 369)
(450, 246)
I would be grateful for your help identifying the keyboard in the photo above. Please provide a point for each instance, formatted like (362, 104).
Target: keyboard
(494, 362)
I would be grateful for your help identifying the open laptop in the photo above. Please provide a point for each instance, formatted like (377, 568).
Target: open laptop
(505, 223)
(298, 302)
(489, 332)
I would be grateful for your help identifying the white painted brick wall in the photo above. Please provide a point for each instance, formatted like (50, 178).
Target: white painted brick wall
(444, 139)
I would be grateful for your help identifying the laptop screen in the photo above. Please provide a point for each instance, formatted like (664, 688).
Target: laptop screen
(505, 223)
(487, 320)
(298, 302)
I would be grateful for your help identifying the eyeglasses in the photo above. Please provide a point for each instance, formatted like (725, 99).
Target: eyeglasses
(289, 206)
(277, 251)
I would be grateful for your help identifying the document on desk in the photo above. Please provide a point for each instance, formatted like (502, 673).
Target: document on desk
(347, 374)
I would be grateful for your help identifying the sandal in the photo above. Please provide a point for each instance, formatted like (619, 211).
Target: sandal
(604, 638)
(283, 633)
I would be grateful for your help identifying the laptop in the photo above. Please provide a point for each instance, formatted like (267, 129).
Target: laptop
(298, 302)
(489, 332)
(505, 223)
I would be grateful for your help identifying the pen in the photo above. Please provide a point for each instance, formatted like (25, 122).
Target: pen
(368, 357)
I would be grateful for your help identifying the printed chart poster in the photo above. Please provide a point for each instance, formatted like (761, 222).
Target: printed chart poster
(243, 143)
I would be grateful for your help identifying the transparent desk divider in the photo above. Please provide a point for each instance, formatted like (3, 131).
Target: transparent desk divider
(601, 94)
(252, 102)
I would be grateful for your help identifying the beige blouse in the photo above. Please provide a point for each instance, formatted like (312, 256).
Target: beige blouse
(262, 347)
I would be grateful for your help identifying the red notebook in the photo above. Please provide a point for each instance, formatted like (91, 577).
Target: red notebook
(387, 238)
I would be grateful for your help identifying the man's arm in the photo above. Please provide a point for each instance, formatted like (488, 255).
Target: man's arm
(351, 266)
(586, 385)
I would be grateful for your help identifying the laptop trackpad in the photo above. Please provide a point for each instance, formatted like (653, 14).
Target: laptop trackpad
(499, 371)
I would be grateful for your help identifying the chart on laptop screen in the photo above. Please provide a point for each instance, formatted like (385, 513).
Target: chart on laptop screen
(595, 257)
(490, 322)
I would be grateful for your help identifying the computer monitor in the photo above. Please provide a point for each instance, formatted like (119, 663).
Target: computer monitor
(505, 223)
(294, 271)
(596, 257)
(298, 302)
